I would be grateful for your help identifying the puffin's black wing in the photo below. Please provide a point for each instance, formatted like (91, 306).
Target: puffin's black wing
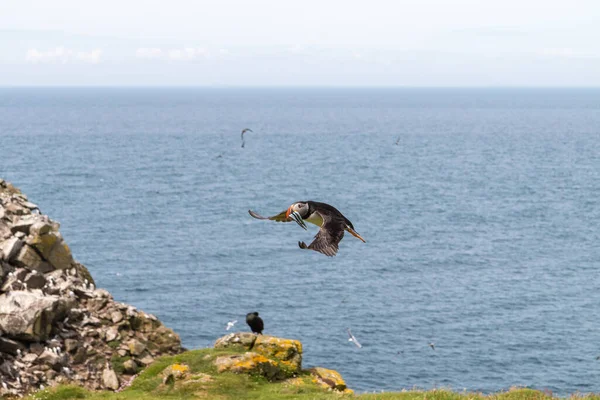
(328, 238)
(279, 217)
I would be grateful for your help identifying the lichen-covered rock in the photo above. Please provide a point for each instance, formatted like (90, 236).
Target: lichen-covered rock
(250, 363)
(175, 372)
(287, 351)
(329, 378)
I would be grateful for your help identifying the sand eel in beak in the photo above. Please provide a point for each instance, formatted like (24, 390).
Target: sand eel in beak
(328, 218)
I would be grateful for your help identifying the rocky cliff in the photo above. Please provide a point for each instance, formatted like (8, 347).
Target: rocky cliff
(55, 325)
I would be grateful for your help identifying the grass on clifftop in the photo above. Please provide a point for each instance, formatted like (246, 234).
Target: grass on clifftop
(149, 384)
(227, 386)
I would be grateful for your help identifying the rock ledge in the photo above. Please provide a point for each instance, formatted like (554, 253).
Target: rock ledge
(276, 359)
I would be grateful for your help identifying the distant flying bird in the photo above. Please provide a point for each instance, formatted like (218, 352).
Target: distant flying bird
(344, 300)
(244, 131)
(328, 218)
(255, 322)
(353, 339)
(230, 325)
(397, 141)
(432, 345)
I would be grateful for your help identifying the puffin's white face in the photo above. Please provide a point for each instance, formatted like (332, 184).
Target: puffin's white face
(300, 208)
(298, 211)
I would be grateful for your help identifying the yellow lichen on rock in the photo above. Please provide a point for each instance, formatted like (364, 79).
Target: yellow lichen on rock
(274, 358)
(287, 351)
(178, 370)
(175, 372)
(329, 378)
(176, 376)
(249, 363)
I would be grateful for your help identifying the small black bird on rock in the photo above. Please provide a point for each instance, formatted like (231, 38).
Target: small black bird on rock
(255, 322)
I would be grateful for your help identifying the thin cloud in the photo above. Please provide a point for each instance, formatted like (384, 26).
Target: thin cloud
(494, 31)
(566, 52)
(149, 53)
(62, 55)
(93, 57)
(176, 54)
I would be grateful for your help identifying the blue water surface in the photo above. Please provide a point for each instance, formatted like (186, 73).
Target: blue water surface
(481, 223)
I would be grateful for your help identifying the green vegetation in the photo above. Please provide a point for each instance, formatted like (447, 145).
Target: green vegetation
(227, 386)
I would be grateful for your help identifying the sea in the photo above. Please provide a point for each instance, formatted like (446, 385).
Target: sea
(479, 206)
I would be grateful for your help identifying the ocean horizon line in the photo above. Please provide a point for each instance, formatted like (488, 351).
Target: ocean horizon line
(299, 87)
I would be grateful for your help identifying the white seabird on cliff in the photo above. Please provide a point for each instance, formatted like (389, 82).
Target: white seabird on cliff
(230, 325)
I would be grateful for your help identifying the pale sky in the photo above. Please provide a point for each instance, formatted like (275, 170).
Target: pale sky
(301, 43)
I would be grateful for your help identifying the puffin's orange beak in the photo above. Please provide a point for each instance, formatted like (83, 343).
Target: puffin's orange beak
(288, 212)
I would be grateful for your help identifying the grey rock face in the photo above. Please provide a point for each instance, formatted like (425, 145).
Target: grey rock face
(110, 379)
(29, 316)
(10, 247)
(55, 326)
(30, 258)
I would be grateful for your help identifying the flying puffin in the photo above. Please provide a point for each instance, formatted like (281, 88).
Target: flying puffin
(328, 218)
